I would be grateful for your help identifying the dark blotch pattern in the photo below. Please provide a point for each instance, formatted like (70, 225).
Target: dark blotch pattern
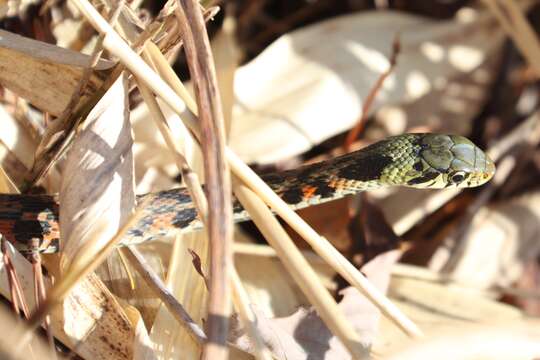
(323, 190)
(366, 168)
(184, 218)
(293, 196)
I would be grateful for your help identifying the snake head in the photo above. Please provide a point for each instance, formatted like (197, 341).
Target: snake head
(449, 161)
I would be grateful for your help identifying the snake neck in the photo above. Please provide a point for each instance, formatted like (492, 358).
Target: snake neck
(365, 169)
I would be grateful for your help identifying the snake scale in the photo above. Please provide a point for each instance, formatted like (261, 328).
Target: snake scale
(413, 160)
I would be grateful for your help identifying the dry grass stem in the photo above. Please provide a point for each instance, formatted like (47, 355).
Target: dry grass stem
(300, 270)
(7, 185)
(40, 292)
(217, 176)
(190, 178)
(513, 21)
(242, 306)
(158, 287)
(167, 73)
(136, 65)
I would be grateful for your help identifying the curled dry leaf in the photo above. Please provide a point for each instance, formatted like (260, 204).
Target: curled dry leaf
(97, 193)
(97, 197)
(303, 335)
(44, 74)
(309, 85)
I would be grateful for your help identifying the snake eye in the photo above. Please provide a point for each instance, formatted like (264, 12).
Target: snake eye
(458, 177)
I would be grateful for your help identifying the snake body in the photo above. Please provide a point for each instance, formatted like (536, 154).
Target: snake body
(413, 160)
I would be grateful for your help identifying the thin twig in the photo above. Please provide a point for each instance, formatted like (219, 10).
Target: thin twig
(202, 69)
(361, 123)
(39, 290)
(158, 287)
(190, 178)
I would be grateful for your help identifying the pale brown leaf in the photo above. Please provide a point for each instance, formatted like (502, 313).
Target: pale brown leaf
(44, 74)
(303, 334)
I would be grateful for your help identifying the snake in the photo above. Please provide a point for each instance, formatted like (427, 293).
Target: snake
(426, 161)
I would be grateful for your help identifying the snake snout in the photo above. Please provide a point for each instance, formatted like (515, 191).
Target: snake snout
(476, 163)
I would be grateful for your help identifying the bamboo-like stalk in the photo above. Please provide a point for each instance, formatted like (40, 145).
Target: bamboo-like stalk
(136, 65)
(190, 178)
(168, 74)
(217, 176)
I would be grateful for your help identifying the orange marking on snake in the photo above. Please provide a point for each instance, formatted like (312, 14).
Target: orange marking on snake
(308, 191)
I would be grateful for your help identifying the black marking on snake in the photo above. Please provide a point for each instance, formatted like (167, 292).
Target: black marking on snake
(183, 218)
(422, 179)
(135, 233)
(366, 168)
(25, 230)
(321, 184)
(293, 196)
(418, 166)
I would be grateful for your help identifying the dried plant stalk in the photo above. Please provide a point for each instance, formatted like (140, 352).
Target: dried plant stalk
(156, 284)
(217, 177)
(190, 178)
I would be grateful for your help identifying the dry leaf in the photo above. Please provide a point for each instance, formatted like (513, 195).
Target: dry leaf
(97, 193)
(435, 306)
(303, 335)
(514, 340)
(44, 74)
(309, 84)
(16, 147)
(97, 197)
